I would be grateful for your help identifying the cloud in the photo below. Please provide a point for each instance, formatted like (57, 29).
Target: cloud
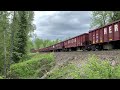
(61, 24)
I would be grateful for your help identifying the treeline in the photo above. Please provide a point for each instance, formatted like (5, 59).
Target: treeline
(40, 43)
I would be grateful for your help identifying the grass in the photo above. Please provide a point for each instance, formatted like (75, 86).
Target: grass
(64, 72)
(40, 64)
(1, 77)
(95, 68)
(32, 68)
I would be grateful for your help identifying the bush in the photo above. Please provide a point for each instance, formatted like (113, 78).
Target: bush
(1, 77)
(29, 68)
(67, 71)
(99, 69)
(95, 68)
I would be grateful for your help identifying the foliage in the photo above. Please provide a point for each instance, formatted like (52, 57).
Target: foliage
(1, 77)
(40, 43)
(95, 68)
(4, 31)
(101, 18)
(66, 71)
(32, 67)
(99, 69)
(21, 37)
(115, 15)
(21, 26)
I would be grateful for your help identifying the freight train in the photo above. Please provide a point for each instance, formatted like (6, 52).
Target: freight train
(103, 38)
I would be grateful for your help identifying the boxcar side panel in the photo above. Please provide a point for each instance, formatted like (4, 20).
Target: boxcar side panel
(90, 37)
(81, 40)
(105, 29)
(93, 33)
(116, 31)
(97, 36)
(101, 35)
(75, 41)
(77, 38)
(111, 33)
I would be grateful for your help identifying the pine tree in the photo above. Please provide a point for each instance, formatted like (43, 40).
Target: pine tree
(21, 37)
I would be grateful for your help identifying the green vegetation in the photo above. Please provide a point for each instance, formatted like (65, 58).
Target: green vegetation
(93, 69)
(39, 43)
(101, 18)
(99, 69)
(1, 77)
(36, 67)
(69, 71)
(15, 29)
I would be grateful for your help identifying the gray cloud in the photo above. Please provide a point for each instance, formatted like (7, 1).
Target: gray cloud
(63, 24)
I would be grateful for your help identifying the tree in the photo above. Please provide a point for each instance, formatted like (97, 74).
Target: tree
(30, 45)
(115, 15)
(99, 18)
(4, 40)
(21, 37)
(22, 27)
(38, 42)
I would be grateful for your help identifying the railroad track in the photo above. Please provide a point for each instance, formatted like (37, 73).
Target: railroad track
(62, 57)
(81, 56)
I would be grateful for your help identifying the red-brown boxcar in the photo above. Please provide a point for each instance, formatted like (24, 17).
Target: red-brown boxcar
(72, 42)
(81, 39)
(66, 44)
(59, 45)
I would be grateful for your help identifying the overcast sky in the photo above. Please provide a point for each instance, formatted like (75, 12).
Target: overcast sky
(61, 24)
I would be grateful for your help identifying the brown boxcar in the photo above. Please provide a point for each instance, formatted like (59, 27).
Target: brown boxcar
(73, 42)
(77, 41)
(81, 39)
(59, 45)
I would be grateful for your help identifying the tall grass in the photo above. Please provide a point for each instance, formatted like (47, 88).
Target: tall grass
(69, 71)
(32, 67)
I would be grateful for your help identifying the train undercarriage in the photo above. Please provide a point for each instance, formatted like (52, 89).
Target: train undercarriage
(91, 47)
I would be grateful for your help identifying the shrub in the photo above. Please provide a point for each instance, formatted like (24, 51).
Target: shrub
(66, 71)
(95, 68)
(1, 77)
(99, 69)
(28, 68)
